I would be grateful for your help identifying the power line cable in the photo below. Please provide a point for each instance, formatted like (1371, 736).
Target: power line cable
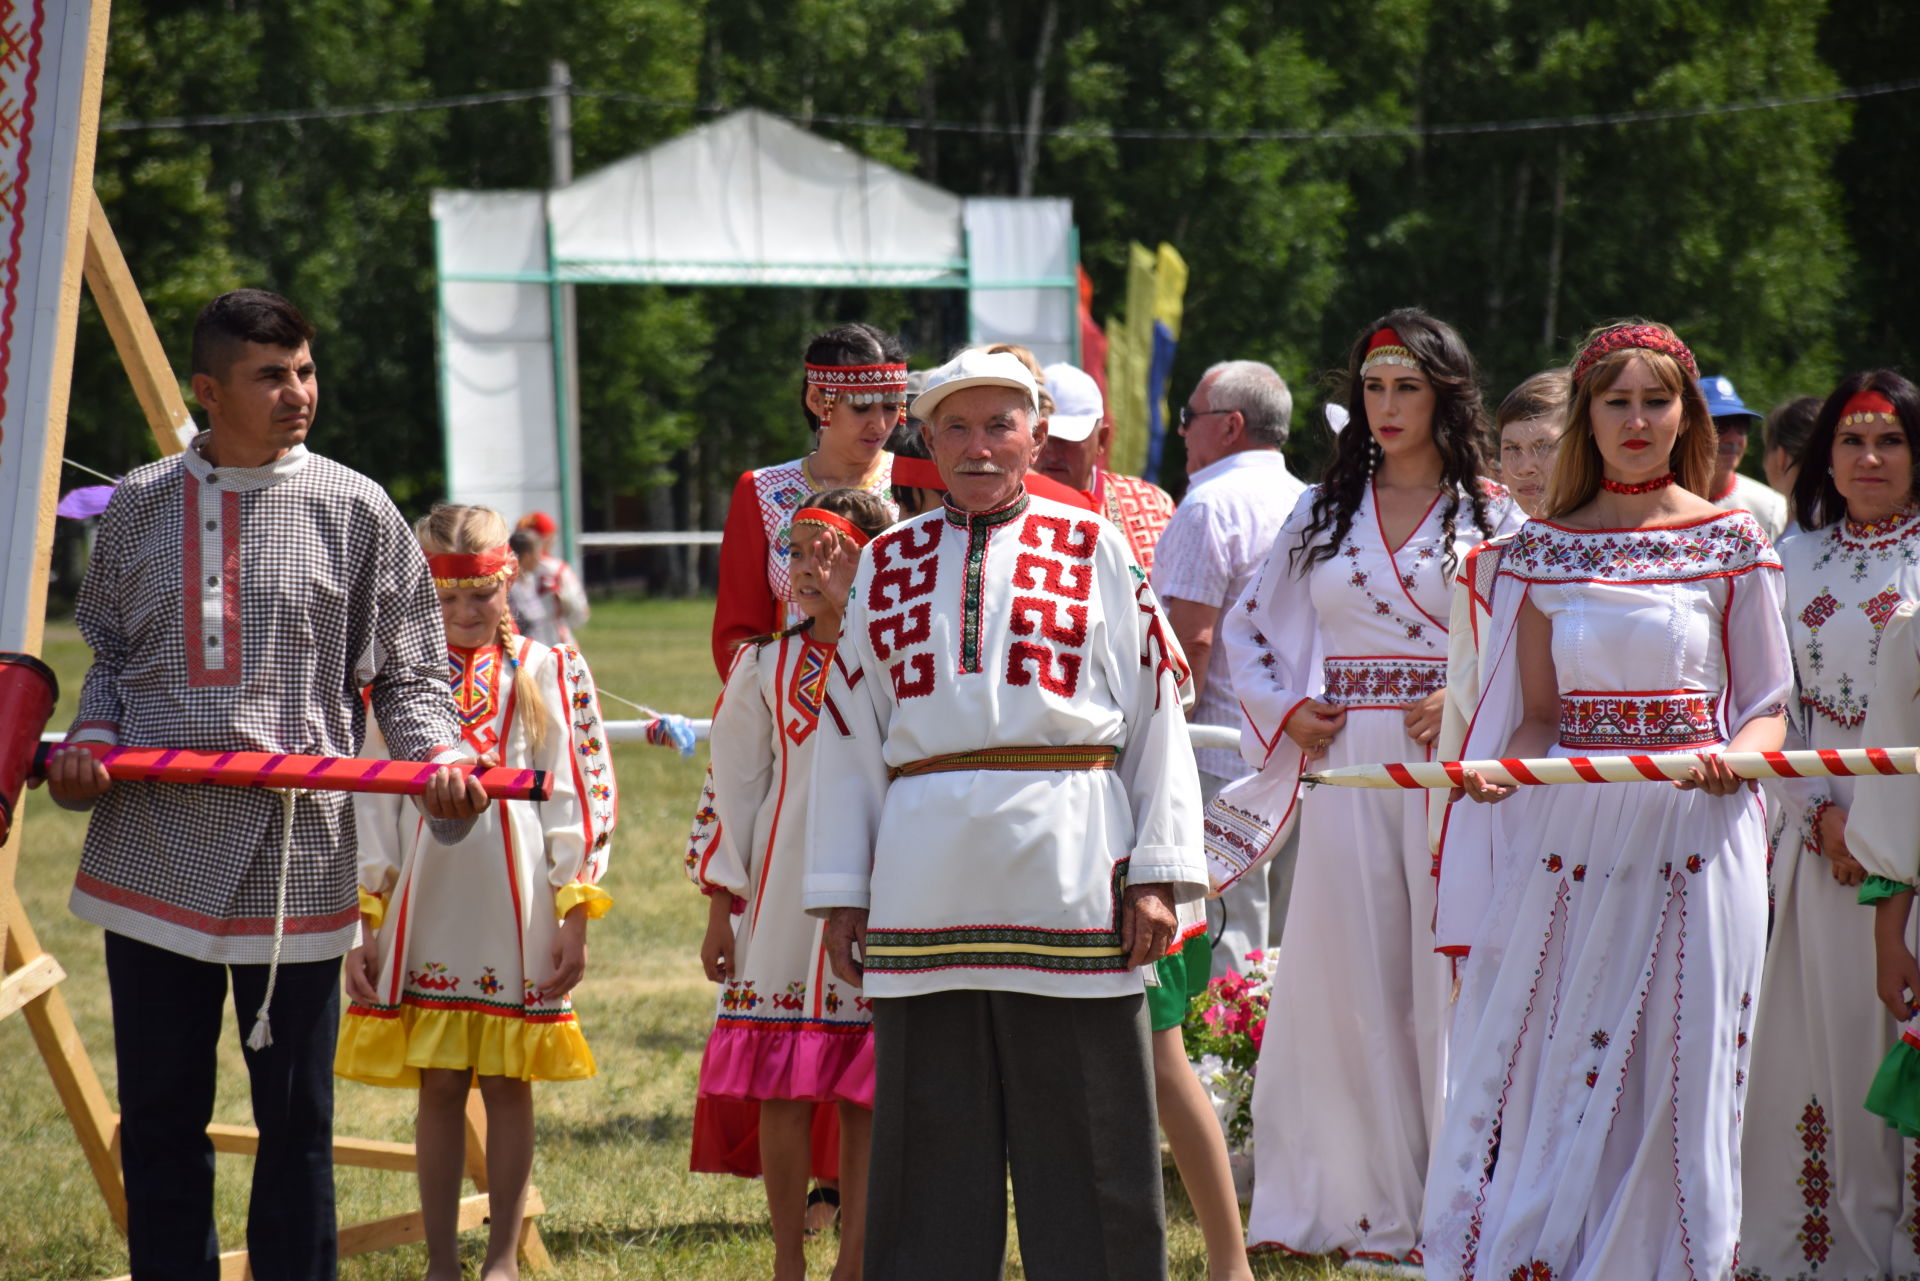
(1337, 133)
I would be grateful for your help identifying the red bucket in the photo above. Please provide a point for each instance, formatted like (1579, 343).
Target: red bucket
(28, 691)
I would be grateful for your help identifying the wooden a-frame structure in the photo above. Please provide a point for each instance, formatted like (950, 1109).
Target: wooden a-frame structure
(29, 976)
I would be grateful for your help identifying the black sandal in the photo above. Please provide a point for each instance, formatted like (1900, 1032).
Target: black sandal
(824, 1196)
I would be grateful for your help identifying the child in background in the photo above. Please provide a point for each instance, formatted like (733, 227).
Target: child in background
(786, 1036)
(470, 951)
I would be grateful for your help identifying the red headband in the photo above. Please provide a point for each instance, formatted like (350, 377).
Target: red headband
(473, 570)
(1867, 406)
(1642, 337)
(1386, 348)
(815, 516)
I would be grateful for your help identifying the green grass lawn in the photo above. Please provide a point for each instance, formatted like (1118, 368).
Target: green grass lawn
(612, 1152)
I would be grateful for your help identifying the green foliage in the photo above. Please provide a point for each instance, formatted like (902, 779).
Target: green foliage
(1740, 229)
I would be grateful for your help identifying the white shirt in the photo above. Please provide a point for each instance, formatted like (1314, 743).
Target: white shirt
(1028, 626)
(1209, 553)
(1766, 504)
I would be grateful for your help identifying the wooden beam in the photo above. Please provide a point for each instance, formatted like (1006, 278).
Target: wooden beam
(111, 282)
(30, 980)
(381, 1234)
(81, 1093)
(370, 1154)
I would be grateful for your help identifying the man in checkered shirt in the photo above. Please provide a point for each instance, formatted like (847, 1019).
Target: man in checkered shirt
(240, 596)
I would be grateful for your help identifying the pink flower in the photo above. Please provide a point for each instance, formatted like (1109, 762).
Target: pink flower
(1256, 957)
(1257, 1033)
(1213, 1017)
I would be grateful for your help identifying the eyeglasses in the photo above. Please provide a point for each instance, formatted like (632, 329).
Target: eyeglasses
(1188, 413)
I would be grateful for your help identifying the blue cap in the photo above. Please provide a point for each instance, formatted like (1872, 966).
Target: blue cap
(1722, 400)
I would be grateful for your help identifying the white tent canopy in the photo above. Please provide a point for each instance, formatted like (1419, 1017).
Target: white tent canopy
(747, 200)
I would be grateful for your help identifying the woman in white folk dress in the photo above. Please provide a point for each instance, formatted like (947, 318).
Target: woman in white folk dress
(471, 950)
(1824, 1178)
(1339, 655)
(1593, 1129)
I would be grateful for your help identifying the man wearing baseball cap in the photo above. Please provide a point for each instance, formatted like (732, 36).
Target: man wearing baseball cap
(1078, 434)
(1005, 813)
(1731, 491)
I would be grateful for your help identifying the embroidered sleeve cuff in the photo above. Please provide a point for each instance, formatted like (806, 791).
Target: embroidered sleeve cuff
(1876, 888)
(821, 894)
(373, 908)
(1175, 866)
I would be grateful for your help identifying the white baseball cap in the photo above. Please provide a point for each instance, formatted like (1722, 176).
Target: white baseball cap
(1077, 404)
(975, 368)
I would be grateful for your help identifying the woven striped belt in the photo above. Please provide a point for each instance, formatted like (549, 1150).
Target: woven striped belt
(1010, 758)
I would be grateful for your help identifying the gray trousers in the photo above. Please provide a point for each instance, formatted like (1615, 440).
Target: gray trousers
(970, 1085)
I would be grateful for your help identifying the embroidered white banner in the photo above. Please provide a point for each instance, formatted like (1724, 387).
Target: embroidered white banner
(51, 53)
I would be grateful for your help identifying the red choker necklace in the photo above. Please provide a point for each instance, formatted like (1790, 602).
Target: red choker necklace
(1644, 487)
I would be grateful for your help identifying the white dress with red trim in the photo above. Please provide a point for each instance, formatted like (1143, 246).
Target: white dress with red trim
(1593, 1123)
(784, 1026)
(466, 931)
(1349, 1077)
(1824, 1178)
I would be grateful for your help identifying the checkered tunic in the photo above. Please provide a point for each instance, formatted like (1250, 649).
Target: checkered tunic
(243, 609)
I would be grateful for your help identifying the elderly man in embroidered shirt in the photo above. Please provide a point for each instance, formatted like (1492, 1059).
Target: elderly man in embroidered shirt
(1005, 816)
(239, 597)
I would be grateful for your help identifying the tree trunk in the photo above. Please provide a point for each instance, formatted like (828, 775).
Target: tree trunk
(1037, 97)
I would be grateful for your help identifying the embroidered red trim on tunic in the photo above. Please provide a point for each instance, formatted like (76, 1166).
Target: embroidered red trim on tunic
(1383, 681)
(1639, 720)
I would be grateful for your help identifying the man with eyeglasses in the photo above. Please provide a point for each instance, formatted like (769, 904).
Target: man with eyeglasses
(1078, 435)
(1239, 494)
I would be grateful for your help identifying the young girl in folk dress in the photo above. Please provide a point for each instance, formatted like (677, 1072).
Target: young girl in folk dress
(1593, 1128)
(787, 1035)
(1340, 656)
(471, 950)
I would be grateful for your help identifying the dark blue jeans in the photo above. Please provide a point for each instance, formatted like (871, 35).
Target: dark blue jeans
(166, 1031)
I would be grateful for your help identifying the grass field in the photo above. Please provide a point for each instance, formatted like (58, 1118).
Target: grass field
(611, 1160)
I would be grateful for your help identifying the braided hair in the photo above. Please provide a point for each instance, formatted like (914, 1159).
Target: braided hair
(452, 529)
(1459, 427)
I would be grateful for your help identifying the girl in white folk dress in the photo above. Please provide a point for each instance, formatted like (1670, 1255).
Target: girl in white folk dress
(1824, 1178)
(788, 1037)
(1593, 1124)
(1339, 656)
(470, 950)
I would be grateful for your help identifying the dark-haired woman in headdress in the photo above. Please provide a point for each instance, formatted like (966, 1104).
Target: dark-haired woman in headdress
(1340, 657)
(854, 395)
(1820, 1033)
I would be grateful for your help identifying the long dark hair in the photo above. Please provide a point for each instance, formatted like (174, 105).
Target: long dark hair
(1459, 425)
(854, 344)
(1816, 499)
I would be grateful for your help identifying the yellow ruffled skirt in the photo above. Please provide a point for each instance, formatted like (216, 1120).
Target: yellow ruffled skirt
(388, 1045)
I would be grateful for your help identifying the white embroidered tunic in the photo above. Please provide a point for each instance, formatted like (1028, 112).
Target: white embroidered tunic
(784, 1026)
(1345, 1099)
(243, 609)
(1025, 627)
(1593, 1126)
(466, 931)
(1824, 1177)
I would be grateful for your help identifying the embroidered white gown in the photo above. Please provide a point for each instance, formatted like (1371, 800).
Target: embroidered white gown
(1824, 1178)
(1345, 1100)
(1594, 1126)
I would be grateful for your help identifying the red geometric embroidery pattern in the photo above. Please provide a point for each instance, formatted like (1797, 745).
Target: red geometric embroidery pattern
(1382, 682)
(1815, 1237)
(1141, 509)
(1639, 720)
(1728, 544)
(905, 571)
(1059, 575)
(1538, 1270)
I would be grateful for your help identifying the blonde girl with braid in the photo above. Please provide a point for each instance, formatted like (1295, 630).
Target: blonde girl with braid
(471, 951)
